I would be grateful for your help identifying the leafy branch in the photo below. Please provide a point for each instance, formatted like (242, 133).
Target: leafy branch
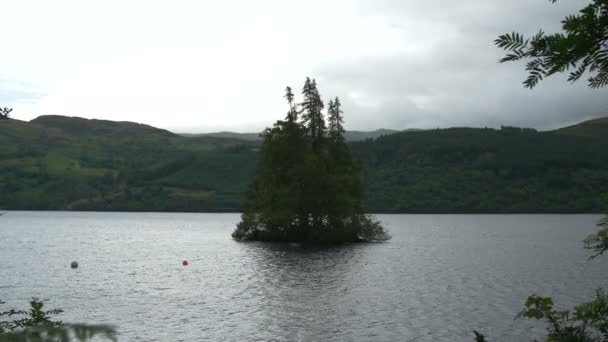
(581, 48)
(598, 242)
(586, 322)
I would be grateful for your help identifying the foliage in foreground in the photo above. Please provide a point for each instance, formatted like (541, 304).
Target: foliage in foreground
(582, 47)
(37, 325)
(309, 187)
(587, 322)
(598, 242)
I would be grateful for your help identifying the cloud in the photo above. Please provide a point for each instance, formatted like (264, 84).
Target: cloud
(15, 93)
(456, 80)
(202, 66)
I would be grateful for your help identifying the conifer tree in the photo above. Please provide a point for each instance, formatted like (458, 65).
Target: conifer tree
(307, 104)
(335, 120)
(292, 115)
(312, 116)
(320, 120)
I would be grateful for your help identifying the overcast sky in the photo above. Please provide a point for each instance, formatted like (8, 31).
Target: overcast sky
(199, 66)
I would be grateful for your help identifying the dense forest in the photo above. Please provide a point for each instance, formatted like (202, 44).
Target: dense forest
(460, 170)
(57, 162)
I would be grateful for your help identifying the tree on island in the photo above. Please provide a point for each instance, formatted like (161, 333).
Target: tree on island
(309, 187)
(4, 113)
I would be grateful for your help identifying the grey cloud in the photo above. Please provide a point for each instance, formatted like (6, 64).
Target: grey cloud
(460, 76)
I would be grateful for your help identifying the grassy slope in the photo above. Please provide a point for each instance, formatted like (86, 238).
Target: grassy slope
(70, 163)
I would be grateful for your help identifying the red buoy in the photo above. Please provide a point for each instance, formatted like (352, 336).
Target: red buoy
(185, 262)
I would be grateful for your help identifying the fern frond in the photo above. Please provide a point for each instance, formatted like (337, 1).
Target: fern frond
(576, 75)
(512, 41)
(599, 80)
(533, 78)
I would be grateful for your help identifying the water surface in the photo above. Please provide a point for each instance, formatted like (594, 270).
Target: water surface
(440, 277)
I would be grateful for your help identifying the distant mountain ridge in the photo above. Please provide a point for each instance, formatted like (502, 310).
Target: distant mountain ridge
(77, 125)
(350, 135)
(69, 163)
(591, 128)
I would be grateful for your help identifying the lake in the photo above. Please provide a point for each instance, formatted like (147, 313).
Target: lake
(440, 277)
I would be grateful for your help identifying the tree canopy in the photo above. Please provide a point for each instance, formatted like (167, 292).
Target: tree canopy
(581, 47)
(309, 187)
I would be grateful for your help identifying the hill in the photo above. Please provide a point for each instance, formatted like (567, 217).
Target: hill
(597, 128)
(56, 162)
(93, 127)
(462, 170)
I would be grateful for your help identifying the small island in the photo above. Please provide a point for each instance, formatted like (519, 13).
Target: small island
(309, 187)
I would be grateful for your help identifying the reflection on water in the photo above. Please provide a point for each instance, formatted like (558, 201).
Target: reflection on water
(304, 290)
(440, 277)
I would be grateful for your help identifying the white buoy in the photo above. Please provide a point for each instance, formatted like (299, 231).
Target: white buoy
(74, 264)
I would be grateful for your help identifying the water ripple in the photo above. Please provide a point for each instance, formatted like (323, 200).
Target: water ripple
(438, 279)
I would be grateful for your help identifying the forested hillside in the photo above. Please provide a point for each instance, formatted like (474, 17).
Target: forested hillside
(57, 162)
(485, 170)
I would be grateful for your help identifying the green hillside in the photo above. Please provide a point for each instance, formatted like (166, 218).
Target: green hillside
(71, 163)
(56, 162)
(485, 170)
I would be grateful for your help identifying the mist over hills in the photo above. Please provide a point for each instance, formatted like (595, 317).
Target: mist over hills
(350, 135)
(68, 163)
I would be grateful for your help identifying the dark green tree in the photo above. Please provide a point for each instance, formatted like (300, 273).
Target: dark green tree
(4, 112)
(335, 120)
(312, 115)
(309, 188)
(581, 47)
(292, 114)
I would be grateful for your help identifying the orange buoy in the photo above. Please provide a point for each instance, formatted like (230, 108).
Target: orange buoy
(185, 262)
